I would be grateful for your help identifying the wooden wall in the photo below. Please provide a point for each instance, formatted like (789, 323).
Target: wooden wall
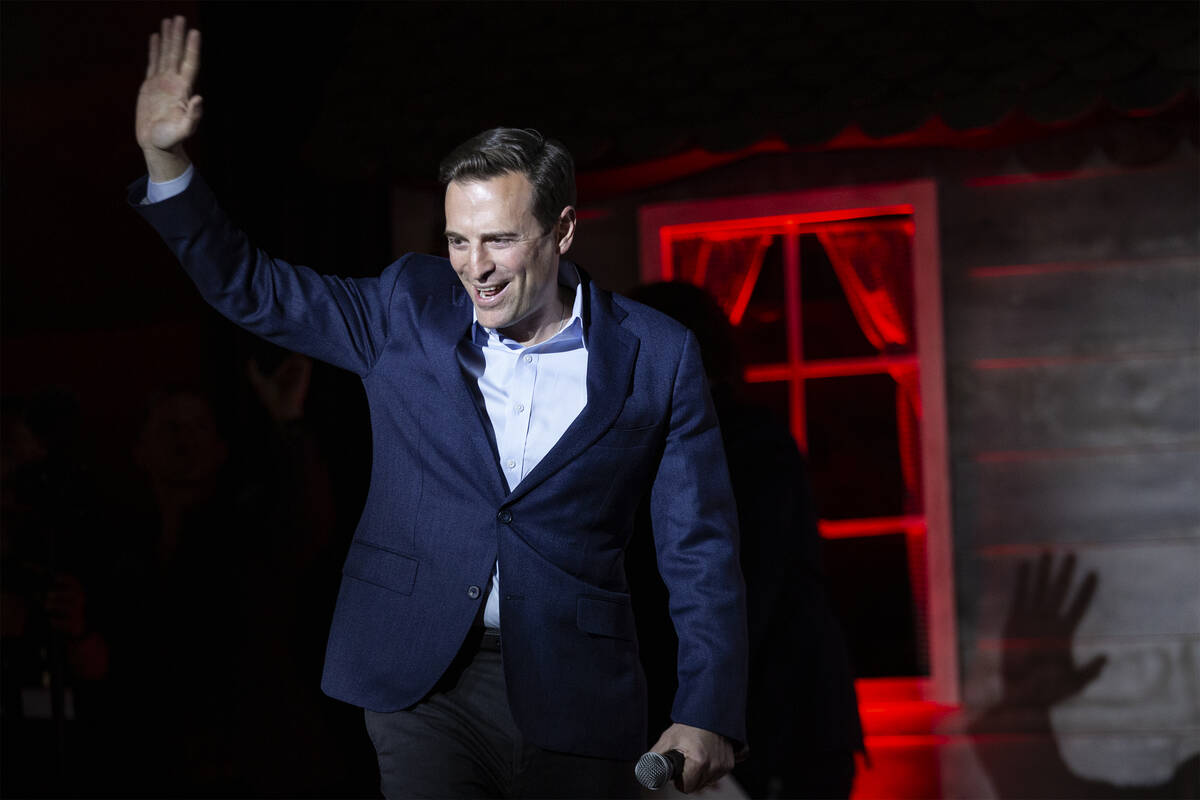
(1073, 347)
(1072, 334)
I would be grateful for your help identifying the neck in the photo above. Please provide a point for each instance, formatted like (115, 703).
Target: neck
(551, 324)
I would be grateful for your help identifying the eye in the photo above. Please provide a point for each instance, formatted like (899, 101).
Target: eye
(456, 242)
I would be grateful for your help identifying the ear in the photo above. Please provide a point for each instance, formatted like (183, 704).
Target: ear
(565, 229)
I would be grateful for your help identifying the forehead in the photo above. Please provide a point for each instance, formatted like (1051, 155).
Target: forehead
(505, 200)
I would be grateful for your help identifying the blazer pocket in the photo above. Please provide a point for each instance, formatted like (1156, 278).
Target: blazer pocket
(604, 617)
(628, 437)
(383, 568)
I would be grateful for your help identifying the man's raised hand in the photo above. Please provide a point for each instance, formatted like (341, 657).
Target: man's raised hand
(167, 111)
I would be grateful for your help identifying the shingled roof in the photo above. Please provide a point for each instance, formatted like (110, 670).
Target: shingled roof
(625, 83)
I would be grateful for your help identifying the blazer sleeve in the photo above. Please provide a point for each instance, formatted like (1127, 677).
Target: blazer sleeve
(695, 531)
(338, 320)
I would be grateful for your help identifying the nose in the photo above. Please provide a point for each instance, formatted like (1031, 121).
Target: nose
(479, 262)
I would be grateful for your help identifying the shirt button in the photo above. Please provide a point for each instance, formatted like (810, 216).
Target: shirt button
(512, 464)
(472, 592)
(520, 408)
(528, 359)
(505, 516)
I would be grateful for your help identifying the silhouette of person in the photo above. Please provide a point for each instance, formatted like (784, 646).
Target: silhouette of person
(205, 655)
(54, 658)
(178, 633)
(802, 714)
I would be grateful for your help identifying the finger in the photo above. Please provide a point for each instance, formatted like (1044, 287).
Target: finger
(684, 779)
(191, 57)
(1090, 671)
(693, 776)
(1075, 682)
(1021, 600)
(1061, 585)
(164, 45)
(174, 45)
(152, 58)
(195, 108)
(1041, 581)
(181, 30)
(1079, 606)
(684, 784)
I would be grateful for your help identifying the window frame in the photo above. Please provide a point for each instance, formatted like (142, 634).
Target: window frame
(917, 199)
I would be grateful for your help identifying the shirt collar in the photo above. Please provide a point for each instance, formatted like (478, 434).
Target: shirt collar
(571, 333)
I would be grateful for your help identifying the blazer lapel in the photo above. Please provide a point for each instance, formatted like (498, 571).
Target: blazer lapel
(445, 322)
(612, 353)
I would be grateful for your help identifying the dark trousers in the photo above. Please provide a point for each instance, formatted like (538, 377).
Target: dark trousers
(461, 742)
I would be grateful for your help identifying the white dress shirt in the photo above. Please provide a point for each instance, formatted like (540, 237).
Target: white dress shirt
(531, 394)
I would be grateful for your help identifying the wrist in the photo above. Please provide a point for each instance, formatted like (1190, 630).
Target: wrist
(165, 165)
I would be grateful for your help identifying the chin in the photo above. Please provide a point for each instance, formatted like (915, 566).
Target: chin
(492, 319)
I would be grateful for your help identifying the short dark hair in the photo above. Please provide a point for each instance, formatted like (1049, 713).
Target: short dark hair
(544, 162)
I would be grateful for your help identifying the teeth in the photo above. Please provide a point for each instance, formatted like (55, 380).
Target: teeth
(488, 291)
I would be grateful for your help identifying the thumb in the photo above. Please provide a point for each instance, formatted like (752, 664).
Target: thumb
(195, 108)
(1090, 671)
(1084, 675)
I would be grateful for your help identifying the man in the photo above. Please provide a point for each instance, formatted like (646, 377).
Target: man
(519, 414)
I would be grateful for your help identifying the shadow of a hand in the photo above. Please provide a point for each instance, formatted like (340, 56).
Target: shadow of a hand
(1038, 668)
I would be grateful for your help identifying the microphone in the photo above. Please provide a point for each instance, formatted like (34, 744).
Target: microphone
(653, 770)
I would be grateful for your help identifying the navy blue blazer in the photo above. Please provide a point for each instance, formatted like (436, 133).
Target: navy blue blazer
(438, 512)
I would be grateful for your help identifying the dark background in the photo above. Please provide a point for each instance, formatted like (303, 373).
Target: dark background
(1061, 135)
(316, 112)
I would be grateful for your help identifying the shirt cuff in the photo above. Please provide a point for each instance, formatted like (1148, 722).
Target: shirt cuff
(157, 192)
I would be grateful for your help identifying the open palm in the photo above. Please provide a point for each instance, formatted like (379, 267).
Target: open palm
(167, 111)
(1038, 666)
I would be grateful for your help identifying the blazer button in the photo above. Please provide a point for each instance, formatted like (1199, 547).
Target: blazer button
(504, 516)
(472, 592)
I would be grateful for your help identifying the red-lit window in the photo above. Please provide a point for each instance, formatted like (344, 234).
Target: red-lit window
(835, 297)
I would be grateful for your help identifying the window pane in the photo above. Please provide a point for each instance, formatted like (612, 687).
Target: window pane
(857, 289)
(872, 596)
(827, 322)
(762, 332)
(745, 275)
(854, 448)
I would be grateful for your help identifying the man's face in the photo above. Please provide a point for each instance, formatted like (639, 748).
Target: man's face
(504, 258)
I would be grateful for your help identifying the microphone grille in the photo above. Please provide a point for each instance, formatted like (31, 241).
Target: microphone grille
(653, 771)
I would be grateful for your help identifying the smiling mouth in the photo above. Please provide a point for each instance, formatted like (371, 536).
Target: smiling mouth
(486, 293)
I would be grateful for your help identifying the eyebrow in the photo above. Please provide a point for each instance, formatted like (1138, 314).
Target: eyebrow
(489, 236)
